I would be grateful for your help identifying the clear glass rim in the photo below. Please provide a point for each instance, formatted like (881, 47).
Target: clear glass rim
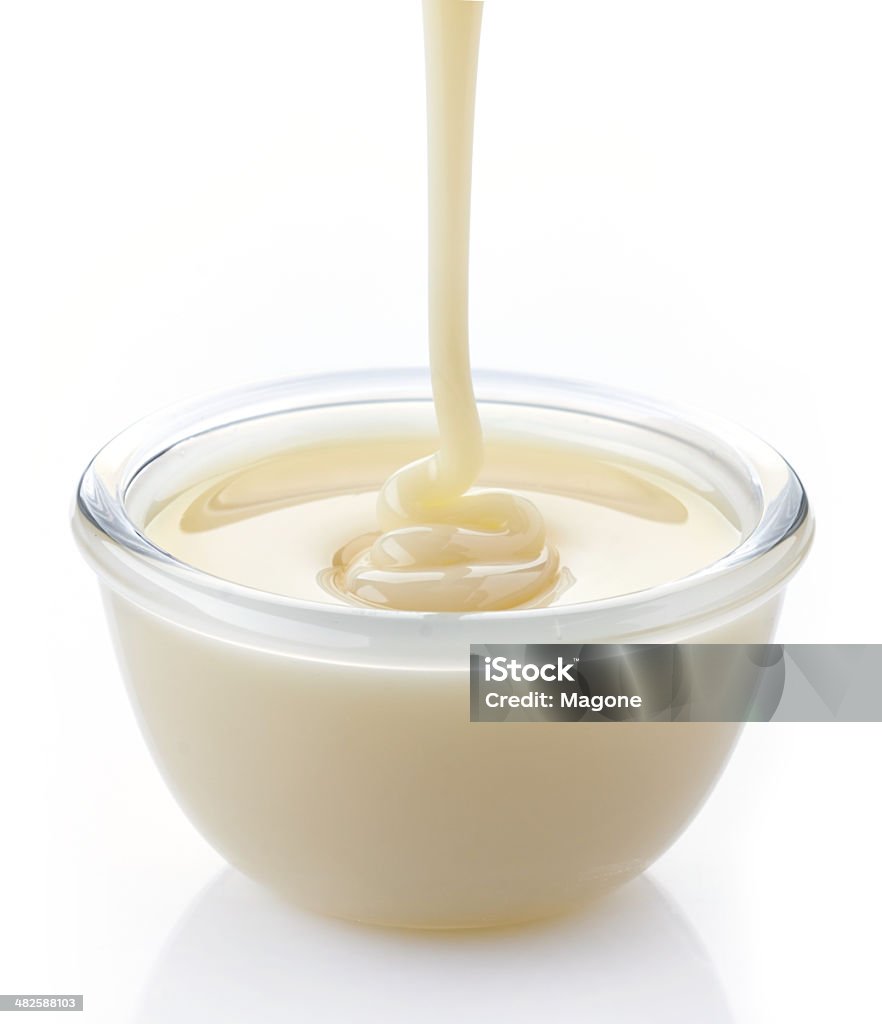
(129, 562)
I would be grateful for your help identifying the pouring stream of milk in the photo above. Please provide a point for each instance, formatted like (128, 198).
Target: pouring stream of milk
(442, 546)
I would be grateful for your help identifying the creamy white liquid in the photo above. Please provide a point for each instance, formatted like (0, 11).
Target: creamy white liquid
(270, 525)
(442, 546)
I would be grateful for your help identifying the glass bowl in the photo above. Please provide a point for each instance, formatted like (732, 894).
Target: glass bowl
(326, 750)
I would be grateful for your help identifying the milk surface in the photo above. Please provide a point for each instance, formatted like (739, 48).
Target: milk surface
(272, 525)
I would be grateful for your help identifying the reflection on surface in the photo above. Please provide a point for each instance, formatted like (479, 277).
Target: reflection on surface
(240, 954)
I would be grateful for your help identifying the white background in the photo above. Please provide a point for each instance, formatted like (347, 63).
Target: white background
(681, 198)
